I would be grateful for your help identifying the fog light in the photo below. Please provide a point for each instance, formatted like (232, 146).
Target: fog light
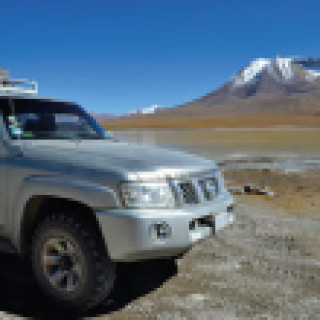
(159, 232)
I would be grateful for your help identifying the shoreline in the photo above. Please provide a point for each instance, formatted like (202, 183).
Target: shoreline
(184, 122)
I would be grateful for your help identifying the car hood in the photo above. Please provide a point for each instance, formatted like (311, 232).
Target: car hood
(115, 157)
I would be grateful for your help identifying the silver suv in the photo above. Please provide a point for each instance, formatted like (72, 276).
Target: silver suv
(74, 201)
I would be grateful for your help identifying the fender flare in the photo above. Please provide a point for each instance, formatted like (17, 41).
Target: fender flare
(90, 194)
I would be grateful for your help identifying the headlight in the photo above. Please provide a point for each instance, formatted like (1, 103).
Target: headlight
(147, 195)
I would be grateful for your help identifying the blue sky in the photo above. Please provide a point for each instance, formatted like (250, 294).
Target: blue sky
(121, 55)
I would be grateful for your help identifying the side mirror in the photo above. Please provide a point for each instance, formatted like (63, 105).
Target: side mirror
(6, 147)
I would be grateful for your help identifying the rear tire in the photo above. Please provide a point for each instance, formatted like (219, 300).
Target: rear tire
(70, 262)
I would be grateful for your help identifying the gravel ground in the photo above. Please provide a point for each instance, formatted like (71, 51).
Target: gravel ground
(265, 266)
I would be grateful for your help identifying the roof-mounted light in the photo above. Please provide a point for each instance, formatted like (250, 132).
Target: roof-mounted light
(18, 87)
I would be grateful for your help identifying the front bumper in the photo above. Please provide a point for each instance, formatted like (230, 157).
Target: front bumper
(130, 234)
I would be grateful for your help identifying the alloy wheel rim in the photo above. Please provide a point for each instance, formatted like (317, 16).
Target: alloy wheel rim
(61, 261)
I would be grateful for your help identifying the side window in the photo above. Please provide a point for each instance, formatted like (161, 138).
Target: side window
(72, 123)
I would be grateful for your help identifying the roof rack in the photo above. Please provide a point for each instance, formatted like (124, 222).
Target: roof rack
(18, 87)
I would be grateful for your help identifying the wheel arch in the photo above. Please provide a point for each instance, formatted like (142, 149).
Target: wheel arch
(38, 194)
(39, 206)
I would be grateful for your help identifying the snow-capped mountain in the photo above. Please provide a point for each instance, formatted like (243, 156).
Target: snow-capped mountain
(270, 77)
(280, 78)
(282, 70)
(284, 86)
(281, 85)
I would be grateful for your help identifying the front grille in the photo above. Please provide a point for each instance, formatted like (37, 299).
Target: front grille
(195, 190)
(188, 192)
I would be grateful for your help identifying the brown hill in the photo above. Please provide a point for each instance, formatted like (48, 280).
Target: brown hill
(284, 91)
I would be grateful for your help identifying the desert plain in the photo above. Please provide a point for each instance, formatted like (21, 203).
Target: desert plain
(265, 266)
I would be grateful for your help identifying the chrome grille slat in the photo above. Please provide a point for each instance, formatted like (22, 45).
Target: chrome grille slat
(188, 192)
(195, 190)
(209, 187)
(198, 190)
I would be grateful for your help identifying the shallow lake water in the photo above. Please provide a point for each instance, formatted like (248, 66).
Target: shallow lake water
(233, 143)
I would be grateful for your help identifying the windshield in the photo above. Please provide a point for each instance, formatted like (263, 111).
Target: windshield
(44, 119)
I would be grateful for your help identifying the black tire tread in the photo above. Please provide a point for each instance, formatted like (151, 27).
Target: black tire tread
(104, 269)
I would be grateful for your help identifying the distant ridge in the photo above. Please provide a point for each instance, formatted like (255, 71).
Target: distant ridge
(266, 85)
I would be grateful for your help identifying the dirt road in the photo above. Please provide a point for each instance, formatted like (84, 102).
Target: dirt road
(266, 266)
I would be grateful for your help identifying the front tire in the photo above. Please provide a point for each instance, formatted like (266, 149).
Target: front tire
(70, 262)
